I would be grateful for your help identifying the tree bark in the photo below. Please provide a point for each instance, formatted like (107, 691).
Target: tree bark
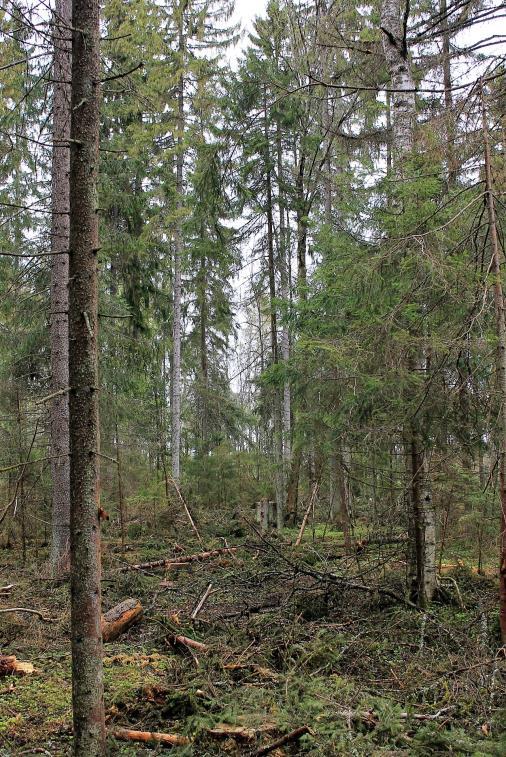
(277, 400)
(87, 675)
(284, 252)
(60, 202)
(178, 253)
(120, 618)
(404, 112)
(495, 268)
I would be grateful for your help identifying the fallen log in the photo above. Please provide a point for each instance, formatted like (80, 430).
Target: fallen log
(120, 618)
(239, 732)
(292, 736)
(169, 739)
(198, 645)
(175, 562)
(226, 731)
(11, 666)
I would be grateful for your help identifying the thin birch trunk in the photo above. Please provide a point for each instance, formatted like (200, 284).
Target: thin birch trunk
(403, 113)
(59, 327)
(86, 633)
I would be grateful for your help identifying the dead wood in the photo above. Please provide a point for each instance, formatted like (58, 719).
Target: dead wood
(11, 666)
(120, 618)
(169, 739)
(172, 562)
(187, 642)
(306, 515)
(200, 604)
(27, 610)
(224, 731)
(289, 737)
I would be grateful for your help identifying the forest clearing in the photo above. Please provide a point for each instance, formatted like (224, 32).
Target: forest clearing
(252, 377)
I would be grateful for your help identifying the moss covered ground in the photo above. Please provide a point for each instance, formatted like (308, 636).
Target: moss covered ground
(287, 647)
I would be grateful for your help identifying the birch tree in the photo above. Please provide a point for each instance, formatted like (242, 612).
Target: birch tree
(404, 114)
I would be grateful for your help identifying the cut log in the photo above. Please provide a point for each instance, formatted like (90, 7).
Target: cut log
(169, 739)
(226, 731)
(121, 617)
(175, 562)
(198, 645)
(292, 736)
(241, 733)
(10, 666)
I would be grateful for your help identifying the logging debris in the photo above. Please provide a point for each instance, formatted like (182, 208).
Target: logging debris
(11, 666)
(169, 739)
(120, 618)
(176, 562)
(294, 735)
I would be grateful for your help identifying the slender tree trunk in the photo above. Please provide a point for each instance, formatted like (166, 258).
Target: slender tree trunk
(277, 414)
(87, 677)
(500, 365)
(422, 511)
(284, 252)
(178, 254)
(21, 488)
(121, 499)
(344, 502)
(447, 83)
(292, 493)
(204, 361)
(60, 202)
(301, 229)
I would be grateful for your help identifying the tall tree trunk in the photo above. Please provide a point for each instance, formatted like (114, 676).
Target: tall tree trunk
(447, 83)
(284, 252)
(178, 254)
(59, 408)
(422, 510)
(87, 676)
(121, 499)
(204, 361)
(301, 211)
(277, 415)
(500, 365)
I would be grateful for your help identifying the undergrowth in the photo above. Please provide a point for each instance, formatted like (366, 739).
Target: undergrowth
(287, 648)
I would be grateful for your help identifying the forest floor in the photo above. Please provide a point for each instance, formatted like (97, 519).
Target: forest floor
(288, 646)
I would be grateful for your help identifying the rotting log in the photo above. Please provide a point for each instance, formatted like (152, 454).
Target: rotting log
(120, 618)
(175, 562)
(11, 666)
(169, 739)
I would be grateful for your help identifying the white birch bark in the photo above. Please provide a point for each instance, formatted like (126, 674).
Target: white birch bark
(402, 86)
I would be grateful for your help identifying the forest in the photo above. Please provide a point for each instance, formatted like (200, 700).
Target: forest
(252, 377)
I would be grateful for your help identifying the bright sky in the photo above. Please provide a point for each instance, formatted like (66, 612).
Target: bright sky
(246, 10)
